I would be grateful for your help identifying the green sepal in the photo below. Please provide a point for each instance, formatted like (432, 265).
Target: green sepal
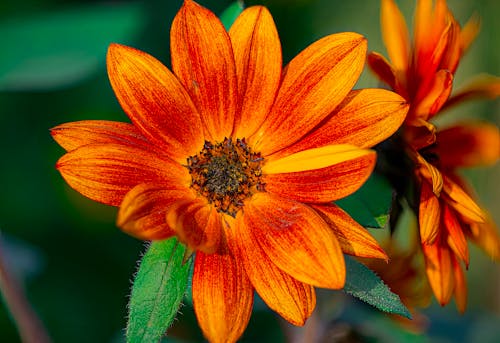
(231, 13)
(159, 287)
(371, 204)
(364, 284)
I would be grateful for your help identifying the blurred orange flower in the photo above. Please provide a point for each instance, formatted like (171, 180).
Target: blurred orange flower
(239, 158)
(423, 74)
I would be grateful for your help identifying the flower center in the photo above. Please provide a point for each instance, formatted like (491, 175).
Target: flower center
(226, 173)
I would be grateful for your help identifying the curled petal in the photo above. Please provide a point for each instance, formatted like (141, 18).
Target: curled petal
(456, 238)
(428, 214)
(222, 296)
(314, 83)
(419, 133)
(155, 101)
(453, 51)
(202, 58)
(312, 159)
(319, 175)
(353, 238)
(469, 145)
(196, 223)
(395, 34)
(486, 236)
(461, 202)
(435, 96)
(296, 239)
(384, 70)
(143, 210)
(431, 32)
(106, 172)
(460, 291)
(439, 49)
(438, 262)
(292, 299)
(257, 53)
(76, 134)
(431, 174)
(366, 117)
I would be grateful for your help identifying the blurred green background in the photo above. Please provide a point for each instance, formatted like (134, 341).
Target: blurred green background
(74, 264)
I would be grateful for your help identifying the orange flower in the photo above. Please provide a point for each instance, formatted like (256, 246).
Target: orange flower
(423, 72)
(423, 75)
(240, 159)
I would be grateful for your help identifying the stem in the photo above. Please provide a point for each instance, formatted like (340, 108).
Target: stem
(28, 324)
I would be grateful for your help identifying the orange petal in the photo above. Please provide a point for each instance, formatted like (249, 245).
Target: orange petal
(482, 86)
(469, 145)
(438, 261)
(106, 172)
(430, 102)
(143, 210)
(257, 53)
(461, 202)
(353, 238)
(460, 291)
(428, 214)
(222, 296)
(469, 32)
(453, 51)
(395, 34)
(155, 101)
(296, 239)
(431, 174)
(419, 133)
(196, 223)
(202, 58)
(314, 83)
(291, 299)
(423, 27)
(487, 238)
(440, 48)
(321, 174)
(432, 27)
(456, 238)
(383, 69)
(76, 134)
(365, 118)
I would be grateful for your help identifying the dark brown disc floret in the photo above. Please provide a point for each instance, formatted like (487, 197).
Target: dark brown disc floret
(226, 173)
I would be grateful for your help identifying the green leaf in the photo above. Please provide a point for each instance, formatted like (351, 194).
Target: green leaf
(365, 285)
(157, 292)
(371, 204)
(52, 50)
(231, 13)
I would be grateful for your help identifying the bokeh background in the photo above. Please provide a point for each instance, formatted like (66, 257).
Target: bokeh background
(75, 265)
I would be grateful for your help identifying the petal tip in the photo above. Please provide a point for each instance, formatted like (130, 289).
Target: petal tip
(54, 131)
(114, 47)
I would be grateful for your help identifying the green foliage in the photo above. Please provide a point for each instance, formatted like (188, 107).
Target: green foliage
(54, 50)
(371, 204)
(231, 13)
(365, 285)
(158, 290)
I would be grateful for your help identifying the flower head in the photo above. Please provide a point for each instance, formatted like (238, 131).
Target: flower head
(422, 72)
(239, 158)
